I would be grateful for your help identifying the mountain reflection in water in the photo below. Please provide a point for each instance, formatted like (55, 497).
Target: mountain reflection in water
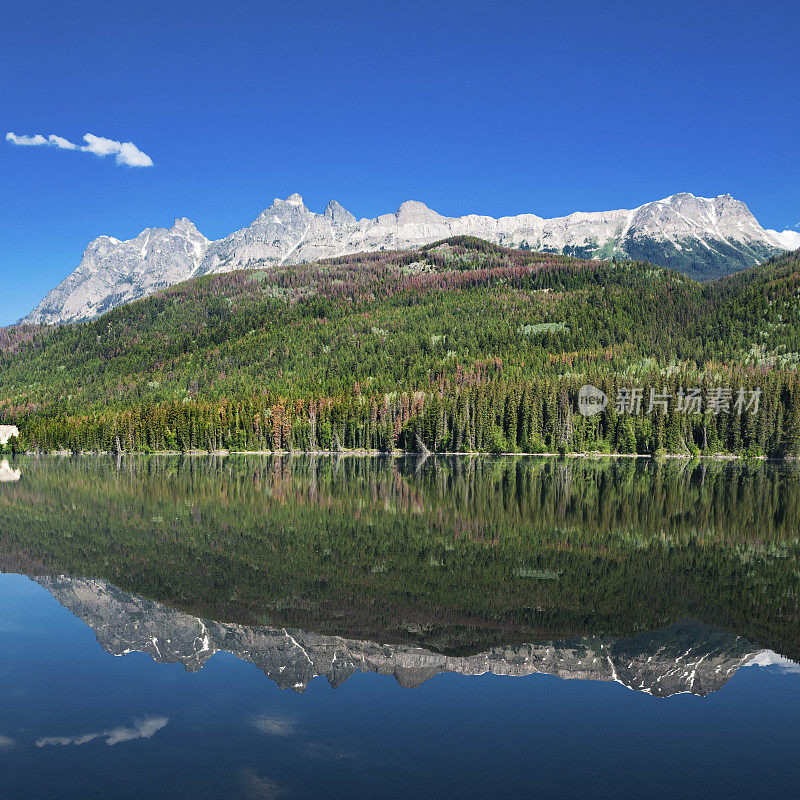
(686, 657)
(665, 577)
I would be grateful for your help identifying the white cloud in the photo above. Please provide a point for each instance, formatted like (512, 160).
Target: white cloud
(790, 240)
(100, 146)
(61, 143)
(125, 153)
(25, 141)
(131, 155)
(273, 726)
(143, 729)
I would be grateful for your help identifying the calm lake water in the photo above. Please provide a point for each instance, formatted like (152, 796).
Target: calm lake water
(398, 628)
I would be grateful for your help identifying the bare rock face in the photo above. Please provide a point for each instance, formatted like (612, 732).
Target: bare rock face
(686, 657)
(112, 272)
(272, 238)
(703, 237)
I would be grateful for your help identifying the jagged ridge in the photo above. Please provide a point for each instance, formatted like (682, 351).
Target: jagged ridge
(702, 237)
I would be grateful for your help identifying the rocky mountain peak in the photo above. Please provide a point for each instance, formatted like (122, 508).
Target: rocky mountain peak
(414, 211)
(293, 204)
(292, 200)
(703, 237)
(338, 214)
(113, 272)
(183, 224)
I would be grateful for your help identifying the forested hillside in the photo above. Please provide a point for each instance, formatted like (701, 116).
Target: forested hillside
(461, 345)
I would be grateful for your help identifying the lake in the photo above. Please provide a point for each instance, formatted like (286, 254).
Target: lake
(278, 627)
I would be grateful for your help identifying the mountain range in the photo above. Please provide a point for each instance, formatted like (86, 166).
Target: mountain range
(701, 237)
(686, 657)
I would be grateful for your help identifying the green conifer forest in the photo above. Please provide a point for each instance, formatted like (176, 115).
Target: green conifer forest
(461, 346)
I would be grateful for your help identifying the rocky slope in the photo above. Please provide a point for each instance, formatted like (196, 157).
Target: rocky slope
(112, 272)
(702, 237)
(687, 657)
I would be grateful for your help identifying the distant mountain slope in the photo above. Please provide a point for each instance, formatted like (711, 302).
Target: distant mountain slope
(701, 237)
(393, 319)
(321, 326)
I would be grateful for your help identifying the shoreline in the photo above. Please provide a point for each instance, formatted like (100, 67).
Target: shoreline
(402, 454)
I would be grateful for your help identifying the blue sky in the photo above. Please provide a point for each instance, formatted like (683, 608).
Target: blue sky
(495, 108)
